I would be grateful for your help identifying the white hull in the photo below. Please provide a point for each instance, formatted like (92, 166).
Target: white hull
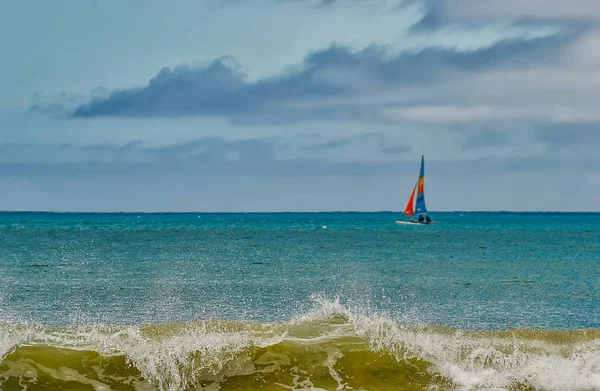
(406, 223)
(399, 222)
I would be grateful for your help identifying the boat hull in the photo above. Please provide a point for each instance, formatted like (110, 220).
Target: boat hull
(399, 222)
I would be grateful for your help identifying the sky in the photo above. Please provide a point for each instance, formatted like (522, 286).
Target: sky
(299, 105)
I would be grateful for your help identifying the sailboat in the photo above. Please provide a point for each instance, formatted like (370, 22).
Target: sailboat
(417, 207)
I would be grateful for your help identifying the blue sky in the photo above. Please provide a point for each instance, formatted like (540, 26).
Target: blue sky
(299, 105)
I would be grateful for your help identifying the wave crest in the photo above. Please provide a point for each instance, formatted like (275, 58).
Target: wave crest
(330, 347)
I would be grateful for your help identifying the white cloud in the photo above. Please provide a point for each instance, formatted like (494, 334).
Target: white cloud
(442, 114)
(452, 114)
(552, 9)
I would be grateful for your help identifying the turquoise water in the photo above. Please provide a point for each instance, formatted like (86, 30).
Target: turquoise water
(471, 271)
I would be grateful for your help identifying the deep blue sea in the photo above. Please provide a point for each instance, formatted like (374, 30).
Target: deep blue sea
(477, 301)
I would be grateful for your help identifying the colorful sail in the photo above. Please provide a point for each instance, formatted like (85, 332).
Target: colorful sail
(421, 208)
(410, 206)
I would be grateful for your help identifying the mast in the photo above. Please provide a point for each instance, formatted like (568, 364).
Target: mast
(421, 207)
(410, 205)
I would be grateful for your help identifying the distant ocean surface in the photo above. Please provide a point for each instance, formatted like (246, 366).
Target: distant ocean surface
(300, 301)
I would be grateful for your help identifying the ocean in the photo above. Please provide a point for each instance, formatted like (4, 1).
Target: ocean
(299, 301)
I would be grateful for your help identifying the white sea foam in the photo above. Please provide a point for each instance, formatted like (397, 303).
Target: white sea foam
(172, 357)
(12, 336)
(477, 361)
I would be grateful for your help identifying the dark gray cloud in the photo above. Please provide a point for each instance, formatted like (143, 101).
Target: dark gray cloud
(60, 105)
(259, 155)
(198, 175)
(222, 89)
(258, 159)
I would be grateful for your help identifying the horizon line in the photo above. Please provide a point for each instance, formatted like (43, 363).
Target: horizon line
(291, 212)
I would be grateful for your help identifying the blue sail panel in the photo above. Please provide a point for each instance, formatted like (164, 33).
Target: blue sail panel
(421, 207)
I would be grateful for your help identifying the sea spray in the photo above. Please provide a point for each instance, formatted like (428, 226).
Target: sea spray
(330, 347)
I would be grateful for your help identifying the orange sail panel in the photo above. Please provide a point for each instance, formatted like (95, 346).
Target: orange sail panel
(410, 206)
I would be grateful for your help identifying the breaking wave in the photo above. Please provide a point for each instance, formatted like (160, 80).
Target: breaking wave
(331, 347)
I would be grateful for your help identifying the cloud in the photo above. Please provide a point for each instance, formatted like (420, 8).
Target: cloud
(216, 149)
(222, 89)
(461, 10)
(441, 114)
(532, 140)
(272, 173)
(501, 92)
(60, 105)
(336, 143)
(196, 184)
(452, 114)
(445, 14)
(382, 143)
